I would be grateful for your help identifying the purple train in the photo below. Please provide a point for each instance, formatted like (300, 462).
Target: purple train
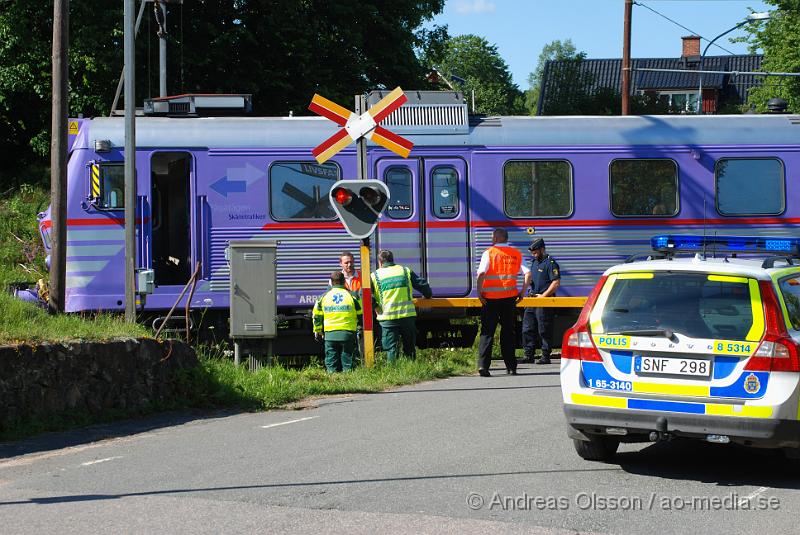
(595, 188)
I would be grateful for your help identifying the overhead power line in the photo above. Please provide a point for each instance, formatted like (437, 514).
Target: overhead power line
(676, 23)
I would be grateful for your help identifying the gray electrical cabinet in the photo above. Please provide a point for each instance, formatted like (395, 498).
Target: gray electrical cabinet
(253, 290)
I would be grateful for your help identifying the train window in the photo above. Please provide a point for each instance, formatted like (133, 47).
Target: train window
(444, 192)
(400, 185)
(540, 188)
(750, 186)
(108, 185)
(644, 188)
(299, 190)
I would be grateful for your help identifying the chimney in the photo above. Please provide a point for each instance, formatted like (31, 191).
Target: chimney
(691, 46)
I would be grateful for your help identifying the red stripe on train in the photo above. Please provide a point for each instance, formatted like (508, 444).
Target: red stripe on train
(637, 222)
(86, 222)
(301, 226)
(119, 221)
(597, 222)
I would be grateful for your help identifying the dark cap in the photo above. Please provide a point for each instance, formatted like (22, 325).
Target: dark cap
(538, 243)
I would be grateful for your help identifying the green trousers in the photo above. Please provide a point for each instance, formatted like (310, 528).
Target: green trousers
(393, 331)
(339, 353)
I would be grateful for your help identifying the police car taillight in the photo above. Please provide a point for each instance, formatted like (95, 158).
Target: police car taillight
(577, 343)
(777, 352)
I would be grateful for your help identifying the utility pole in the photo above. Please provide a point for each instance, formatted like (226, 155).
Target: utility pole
(626, 59)
(130, 164)
(58, 155)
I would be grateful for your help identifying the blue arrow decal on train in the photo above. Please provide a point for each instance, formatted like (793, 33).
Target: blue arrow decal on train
(223, 186)
(238, 179)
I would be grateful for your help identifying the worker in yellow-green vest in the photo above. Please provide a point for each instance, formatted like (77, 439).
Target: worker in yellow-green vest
(392, 286)
(337, 318)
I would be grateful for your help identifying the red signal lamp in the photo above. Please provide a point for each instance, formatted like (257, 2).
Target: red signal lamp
(343, 196)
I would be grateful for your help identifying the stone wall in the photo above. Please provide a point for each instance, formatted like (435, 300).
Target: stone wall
(88, 377)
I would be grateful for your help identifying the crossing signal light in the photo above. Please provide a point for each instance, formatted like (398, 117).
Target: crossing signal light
(371, 196)
(343, 196)
(359, 204)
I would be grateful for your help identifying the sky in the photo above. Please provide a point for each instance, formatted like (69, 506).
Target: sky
(520, 28)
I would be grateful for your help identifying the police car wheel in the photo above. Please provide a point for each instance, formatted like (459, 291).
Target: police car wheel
(597, 448)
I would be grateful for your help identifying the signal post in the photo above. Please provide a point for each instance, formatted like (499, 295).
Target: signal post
(366, 279)
(359, 203)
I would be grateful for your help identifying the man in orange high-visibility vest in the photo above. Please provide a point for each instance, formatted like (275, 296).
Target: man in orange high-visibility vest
(352, 277)
(498, 270)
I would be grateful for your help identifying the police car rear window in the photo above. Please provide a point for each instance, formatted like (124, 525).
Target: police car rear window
(697, 305)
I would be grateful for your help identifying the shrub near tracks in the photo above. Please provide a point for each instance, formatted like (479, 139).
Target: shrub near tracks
(21, 251)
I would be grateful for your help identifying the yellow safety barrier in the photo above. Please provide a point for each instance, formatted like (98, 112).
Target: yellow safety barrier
(474, 302)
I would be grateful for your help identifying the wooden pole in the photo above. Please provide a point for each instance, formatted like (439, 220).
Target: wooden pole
(626, 59)
(58, 156)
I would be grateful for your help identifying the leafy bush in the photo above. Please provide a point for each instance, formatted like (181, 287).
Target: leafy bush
(21, 250)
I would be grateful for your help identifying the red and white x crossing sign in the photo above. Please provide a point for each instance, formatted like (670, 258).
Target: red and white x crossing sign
(356, 126)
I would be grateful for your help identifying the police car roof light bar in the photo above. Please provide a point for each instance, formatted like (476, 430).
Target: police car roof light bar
(773, 245)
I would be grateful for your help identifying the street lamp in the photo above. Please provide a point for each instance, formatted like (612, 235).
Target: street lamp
(752, 17)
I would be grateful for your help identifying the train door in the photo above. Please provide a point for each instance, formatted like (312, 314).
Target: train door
(171, 185)
(426, 222)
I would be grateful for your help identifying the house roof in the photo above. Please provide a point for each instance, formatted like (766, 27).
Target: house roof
(607, 73)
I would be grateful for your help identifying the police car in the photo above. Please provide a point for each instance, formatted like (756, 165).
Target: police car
(705, 347)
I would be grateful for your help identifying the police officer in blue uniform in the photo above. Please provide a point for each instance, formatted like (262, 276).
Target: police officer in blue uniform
(537, 323)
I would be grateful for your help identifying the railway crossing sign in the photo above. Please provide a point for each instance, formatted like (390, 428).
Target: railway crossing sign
(357, 126)
(359, 203)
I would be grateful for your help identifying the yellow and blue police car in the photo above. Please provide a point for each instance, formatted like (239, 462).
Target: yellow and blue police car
(705, 347)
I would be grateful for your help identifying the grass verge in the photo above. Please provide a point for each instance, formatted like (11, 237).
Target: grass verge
(218, 382)
(22, 322)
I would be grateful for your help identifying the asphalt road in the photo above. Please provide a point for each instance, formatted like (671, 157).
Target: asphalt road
(462, 455)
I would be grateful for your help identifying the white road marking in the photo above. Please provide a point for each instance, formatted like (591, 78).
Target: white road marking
(30, 459)
(289, 422)
(758, 491)
(100, 460)
(35, 457)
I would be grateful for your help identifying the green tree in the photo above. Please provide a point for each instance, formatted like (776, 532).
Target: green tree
(281, 51)
(779, 38)
(478, 63)
(26, 30)
(552, 51)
